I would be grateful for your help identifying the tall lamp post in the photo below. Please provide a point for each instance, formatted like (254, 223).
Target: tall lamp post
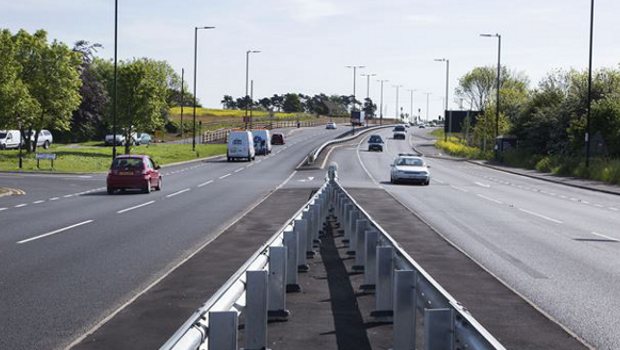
(115, 95)
(499, 67)
(195, 71)
(381, 103)
(247, 77)
(411, 107)
(397, 95)
(368, 83)
(589, 86)
(182, 102)
(354, 99)
(428, 94)
(447, 94)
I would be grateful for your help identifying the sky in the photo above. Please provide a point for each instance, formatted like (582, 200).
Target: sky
(306, 44)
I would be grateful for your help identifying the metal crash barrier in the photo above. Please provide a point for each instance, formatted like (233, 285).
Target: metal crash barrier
(402, 289)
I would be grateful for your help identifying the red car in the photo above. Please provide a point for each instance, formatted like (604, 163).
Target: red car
(277, 139)
(133, 171)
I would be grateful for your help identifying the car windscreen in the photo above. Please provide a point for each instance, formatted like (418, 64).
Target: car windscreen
(410, 162)
(127, 164)
(375, 139)
(2, 135)
(399, 128)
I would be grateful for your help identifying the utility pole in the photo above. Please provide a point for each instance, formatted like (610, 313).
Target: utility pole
(182, 101)
(589, 86)
(381, 105)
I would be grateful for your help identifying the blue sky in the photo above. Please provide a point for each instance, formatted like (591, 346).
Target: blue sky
(306, 44)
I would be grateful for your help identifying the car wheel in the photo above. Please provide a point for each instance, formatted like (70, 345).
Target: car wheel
(46, 144)
(147, 186)
(158, 187)
(110, 190)
(427, 182)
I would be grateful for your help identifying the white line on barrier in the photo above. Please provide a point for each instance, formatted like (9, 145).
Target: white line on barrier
(55, 232)
(135, 207)
(177, 193)
(225, 176)
(604, 236)
(540, 216)
(489, 199)
(205, 183)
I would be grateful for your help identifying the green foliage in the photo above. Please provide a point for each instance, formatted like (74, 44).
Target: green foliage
(291, 103)
(456, 148)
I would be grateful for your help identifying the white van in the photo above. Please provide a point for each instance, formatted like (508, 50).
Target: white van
(10, 139)
(262, 141)
(240, 146)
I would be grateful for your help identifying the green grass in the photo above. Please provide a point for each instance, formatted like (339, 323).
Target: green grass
(87, 157)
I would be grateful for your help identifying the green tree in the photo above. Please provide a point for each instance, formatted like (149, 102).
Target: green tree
(369, 108)
(291, 103)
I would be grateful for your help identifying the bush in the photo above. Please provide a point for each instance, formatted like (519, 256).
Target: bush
(461, 150)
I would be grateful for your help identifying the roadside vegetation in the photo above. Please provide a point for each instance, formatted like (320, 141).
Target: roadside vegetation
(549, 122)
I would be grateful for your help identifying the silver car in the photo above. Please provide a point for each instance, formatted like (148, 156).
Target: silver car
(410, 168)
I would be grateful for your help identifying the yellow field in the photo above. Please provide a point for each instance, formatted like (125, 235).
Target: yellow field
(215, 115)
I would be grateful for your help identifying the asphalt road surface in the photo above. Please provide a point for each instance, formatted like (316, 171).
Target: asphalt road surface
(70, 254)
(558, 246)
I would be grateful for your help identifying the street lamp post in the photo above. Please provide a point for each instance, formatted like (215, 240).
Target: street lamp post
(247, 77)
(499, 67)
(182, 101)
(397, 93)
(368, 83)
(381, 103)
(115, 95)
(411, 107)
(428, 94)
(589, 86)
(354, 100)
(195, 70)
(447, 94)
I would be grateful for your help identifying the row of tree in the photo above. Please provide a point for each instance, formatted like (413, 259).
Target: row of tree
(320, 104)
(550, 119)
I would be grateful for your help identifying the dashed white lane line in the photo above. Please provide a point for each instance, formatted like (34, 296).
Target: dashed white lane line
(238, 170)
(604, 236)
(599, 206)
(3, 209)
(54, 198)
(135, 207)
(459, 188)
(205, 183)
(249, 165)
(67, 196)
(20, 205)
(614, 209)
(38, 202)
(540, 216)
(225, 176)
(489, 199)
(55, 232)
(438, 181)
(482, 184)
(177, 193)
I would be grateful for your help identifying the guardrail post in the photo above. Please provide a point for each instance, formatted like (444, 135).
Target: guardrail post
(317, 224)
(360, 232)
(291, 241)
(348, 209)
(223, 327)
(405, 300)
(256, 310)
(307, 215)
(438, 329)
(385, 276)
(355, 214)
(370, 271)
(277, 284)
(301, 230)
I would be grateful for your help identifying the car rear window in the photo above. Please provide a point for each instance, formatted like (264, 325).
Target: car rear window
(128, 164)
(410, 162)
(399, 128)
(375, 139)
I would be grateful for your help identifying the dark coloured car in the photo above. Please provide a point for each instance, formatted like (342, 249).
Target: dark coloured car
(277, 139)
(134, 172)
(375, 143)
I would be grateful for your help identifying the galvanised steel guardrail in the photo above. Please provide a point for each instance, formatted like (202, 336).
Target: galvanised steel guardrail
(402, 288)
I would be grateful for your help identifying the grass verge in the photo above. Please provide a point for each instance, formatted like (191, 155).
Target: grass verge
(87, 157)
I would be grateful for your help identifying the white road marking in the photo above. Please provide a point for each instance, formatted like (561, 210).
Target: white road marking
(205, 183)
(3, 209)
(573, 199)
(67, 196)
(135, 207)
(482, 184)
(438, 181)
(599, 206)
(585, 202)
(177, 193)
(20, 205)
(604, 236)
(238, 170)
(249, 165)
(459, 188)
(490, 199)
(54, 198)
(38, 202)
(614, 209)
(540, 216)
(359, 158)
(287, 180)
(55, 231)
(224, 176)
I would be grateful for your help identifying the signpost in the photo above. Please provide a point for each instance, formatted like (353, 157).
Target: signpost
(48, 156)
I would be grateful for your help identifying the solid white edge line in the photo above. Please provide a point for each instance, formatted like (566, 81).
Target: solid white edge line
(287, 180)
(224, 176)
(55, 231)
(540, 216)
(177, 193)
(135, 207)
(604, 236)
(172, 269)
(359, 158)
(205, 183)
(489, 199)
